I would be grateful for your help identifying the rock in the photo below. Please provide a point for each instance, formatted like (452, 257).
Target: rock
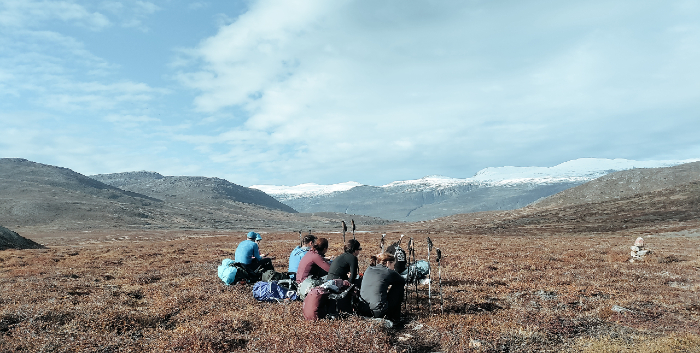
(475, 343)
(619, 309)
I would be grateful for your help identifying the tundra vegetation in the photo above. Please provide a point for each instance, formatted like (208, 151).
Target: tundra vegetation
(549, 278)
(158, 291)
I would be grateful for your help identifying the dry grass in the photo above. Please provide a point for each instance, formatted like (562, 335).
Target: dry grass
(501, 294)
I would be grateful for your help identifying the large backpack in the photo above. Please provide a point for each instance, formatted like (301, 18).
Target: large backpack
(232, 272)
(271, 291)
(418, 271)
(328, 300)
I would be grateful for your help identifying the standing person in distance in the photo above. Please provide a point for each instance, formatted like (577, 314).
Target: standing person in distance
(383, 288)
(346, 266)
(248, 254)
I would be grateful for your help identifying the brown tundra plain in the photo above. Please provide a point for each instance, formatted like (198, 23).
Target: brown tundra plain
(530, 280)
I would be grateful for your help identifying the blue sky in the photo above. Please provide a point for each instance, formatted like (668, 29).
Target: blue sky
(291, 92)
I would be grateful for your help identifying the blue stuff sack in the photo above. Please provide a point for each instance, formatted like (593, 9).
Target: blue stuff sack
(227, 271)
(271, 291)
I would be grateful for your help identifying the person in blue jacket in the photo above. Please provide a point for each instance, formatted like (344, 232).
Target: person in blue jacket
(248, 254)
(299, 252)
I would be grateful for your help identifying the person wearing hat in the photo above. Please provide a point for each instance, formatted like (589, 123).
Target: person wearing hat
(345, 266)
(248, 254)
(258, 238)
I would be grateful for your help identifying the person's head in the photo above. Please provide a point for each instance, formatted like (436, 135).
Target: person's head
(386, 259)
(252, 236)
(353, 247)
(373, 260)
(309, 240)
(258, 238)
(321, 246)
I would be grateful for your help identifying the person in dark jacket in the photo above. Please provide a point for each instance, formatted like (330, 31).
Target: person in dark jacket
(345, 266)
(382, 288)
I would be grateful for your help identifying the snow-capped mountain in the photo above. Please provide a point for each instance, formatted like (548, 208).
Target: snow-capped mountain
(574, 171)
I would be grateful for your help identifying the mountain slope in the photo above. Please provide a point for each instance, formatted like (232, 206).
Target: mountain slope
(190, 189)
(624, 184)
(499, 188)
(47, 198)
(34, 193)
(12, 240)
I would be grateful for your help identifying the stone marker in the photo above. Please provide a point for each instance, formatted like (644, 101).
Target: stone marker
(638, 252)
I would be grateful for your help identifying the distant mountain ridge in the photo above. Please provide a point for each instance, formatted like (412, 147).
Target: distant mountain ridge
(497, 188)
(189, 189)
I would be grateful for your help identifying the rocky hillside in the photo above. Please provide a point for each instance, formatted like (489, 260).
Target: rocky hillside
(624, 184)
(12, 240)
(47, 198)
(189, 189)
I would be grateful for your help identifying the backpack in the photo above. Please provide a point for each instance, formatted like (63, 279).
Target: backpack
(272, 275)
(271, 291)
(327, 299)
(400, 255)
(306, 285)
(418, 271)
(232, 272)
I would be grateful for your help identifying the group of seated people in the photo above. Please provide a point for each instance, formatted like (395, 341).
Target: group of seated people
(381, 286)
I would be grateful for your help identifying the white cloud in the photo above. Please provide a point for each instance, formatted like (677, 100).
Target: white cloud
(393, 83)
(30, 13)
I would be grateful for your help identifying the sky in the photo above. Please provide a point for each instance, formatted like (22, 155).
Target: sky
(292, 92)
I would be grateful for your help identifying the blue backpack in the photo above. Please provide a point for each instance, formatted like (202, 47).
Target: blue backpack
(271, 291)
(230, 273)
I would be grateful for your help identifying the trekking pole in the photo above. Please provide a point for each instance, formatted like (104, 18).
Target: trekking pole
(408, 274)
(301, 241)
(381, 243)
(430, 248)
(345, 229)
(353, 228)
(415, 269)
(439, 261)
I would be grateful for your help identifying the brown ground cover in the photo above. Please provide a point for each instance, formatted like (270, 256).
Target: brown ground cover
(134, 291)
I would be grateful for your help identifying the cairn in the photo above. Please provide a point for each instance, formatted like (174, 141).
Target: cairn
(638, 251)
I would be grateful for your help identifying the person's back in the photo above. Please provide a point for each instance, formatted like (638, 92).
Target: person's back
(295, 257)
(313, 263)
(345, 266)
(246, 251)
(298, 253)
(383, 301)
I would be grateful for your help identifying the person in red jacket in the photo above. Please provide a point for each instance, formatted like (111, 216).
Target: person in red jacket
(313, 263)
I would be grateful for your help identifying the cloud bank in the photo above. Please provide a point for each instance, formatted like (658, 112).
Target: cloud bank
(330, 91)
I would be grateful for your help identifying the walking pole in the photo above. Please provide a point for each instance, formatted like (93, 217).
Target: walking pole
(408, 275)
(353, 228)
(301, 241)
(430, 248)
(415, 268)
(439, 261)
(345, 229)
